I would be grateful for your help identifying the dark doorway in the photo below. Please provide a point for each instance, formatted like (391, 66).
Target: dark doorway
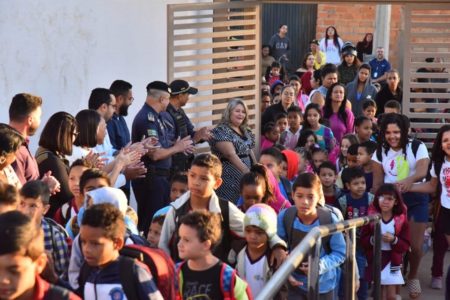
(301, 21)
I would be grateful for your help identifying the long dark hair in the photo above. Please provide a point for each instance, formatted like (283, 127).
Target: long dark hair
(390, 189)
(309, 107)
(303, 138)
(437, 154)
(328, 110)
(366, 43)
(335, 38)
(258, 176)
(393, 118)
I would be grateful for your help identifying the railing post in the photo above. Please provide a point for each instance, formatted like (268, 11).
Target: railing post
(349, 275)
(377, 261)
(313, 272)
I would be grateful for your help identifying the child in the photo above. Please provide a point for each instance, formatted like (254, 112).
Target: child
(394, 239)
(325, 137)
(347, 141)
(356, 204)
(307, 140)
(23, 259)
(102, 235)
(352, 161)
(292, 164)
(273, 73)
(369, 110)
(272, 158)
(178, 186)
(260, 186)
(392, 106)
(301, 99)
(260, 224)
(201, 274)
(289, 138)
(318, 156)
(204, 177)
(327, 174)
(8, 197)
(364, 158)
(281, 121)
(35, 202)
(266, 101)
(270, 135)
(154, 232)
(363, 129)
(307, 214)
(69, 209)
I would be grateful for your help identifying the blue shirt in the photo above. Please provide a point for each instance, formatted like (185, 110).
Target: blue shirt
(379, 67)
(147, 123)
(328, 264)
(119, 134)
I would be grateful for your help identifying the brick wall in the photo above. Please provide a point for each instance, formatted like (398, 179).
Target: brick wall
(353, 21)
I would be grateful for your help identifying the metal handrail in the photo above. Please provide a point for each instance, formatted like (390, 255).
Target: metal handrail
(314, 240)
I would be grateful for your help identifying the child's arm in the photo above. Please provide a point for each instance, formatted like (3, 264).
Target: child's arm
(337, 255)
(378, 175)
(167, 230)
(428, 187)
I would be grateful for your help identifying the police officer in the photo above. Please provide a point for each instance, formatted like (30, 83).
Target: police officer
(152, 192)
(179, 96)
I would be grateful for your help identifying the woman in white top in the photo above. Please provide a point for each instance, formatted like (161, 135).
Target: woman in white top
(404, 162)
(331, 45)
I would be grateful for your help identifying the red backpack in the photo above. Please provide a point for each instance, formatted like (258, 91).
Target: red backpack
(158, 262)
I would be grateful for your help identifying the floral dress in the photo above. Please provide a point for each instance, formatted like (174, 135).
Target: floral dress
(231, 176)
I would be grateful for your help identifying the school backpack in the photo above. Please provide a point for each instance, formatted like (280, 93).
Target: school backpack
(227, 282)
(224, 246)
(294, 237)
(415, 143)
(156, 261)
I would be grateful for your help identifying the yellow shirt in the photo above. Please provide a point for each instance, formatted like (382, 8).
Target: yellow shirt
(317, 66)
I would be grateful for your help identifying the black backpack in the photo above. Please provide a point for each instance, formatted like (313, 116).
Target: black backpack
(223, 247)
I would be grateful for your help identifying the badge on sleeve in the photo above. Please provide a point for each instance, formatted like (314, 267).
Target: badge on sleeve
(152, 132)
(151, 117)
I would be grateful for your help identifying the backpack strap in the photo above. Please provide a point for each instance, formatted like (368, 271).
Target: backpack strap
(83, 275)
(415, 144)
(288, 222)
(325, 218)
(179, 280)
(227, 281)
(128, 278)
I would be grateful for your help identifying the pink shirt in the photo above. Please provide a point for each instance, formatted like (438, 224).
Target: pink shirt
(340, 128)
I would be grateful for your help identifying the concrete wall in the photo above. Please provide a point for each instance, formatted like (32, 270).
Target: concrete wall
(61, 50)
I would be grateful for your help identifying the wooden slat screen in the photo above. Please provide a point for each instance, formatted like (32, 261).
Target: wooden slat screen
(216, 48)
(426, 87)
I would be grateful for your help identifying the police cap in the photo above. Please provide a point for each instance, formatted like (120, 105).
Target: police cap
(181, 87)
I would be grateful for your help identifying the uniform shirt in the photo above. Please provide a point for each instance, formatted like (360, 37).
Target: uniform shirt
(150, 123)
(118, 131)
(255, 274)
(55, 242)
(395, 166)
(25, 165)
(105, 283)
(179, 117)
(379, 67)
(444, 179)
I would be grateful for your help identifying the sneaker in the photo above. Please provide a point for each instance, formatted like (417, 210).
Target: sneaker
(436, 283)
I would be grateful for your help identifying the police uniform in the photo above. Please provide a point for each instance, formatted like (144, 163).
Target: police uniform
(152, 192)
(183, 126)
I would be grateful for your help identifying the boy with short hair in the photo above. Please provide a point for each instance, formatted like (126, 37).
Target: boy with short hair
(365, 151)
(35, 202)
(23, 259)
(204, 177)
(8, 197)
(352, 161)
(154, 232)
(356, 204)
(392, 106)
(273, 159)
(178, 186)
(201, 275)
(102, 235)
(281, 120)
(327, 174)
(289, 137)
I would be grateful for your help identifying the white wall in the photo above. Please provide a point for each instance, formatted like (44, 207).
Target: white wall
(61, 50)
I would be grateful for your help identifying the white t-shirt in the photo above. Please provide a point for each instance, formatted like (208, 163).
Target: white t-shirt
(388, 227)
(444, 178)
(332, 52)
(395, 166)
(255, 274)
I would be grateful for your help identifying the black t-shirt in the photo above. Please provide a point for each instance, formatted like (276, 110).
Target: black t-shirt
(202, 285)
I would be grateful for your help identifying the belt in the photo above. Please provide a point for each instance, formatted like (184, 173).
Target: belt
(153, 171)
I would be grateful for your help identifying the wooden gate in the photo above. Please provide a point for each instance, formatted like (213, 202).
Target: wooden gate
(426, 79)
(215, 47)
